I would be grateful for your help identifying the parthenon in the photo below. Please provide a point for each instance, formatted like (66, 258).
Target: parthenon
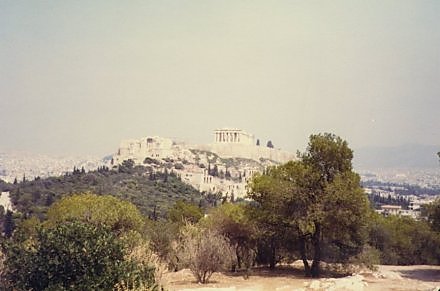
(227, 135)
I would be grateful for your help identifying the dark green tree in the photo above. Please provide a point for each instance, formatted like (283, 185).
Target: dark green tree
(269, 144)
(320, 197)
(8, 224)
(70, 256)
(433, 214)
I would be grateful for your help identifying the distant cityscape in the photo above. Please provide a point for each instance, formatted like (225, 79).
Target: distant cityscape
(16, 165)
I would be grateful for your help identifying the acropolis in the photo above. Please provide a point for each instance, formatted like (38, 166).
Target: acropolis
(232, 151)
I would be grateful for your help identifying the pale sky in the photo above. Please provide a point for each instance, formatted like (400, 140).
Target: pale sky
(76, 77)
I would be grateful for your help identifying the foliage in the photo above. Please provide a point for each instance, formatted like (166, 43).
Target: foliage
(89, 242)
(70, 256)
(183, 212)
(145, 189)
(231, 221)
(404, 241)
(376, 201)
(320, 198)
(8, 224)
(163, 236)
(119, 216)
(204, 252)
(433, 214)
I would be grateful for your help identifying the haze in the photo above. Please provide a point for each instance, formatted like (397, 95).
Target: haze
(76, 77)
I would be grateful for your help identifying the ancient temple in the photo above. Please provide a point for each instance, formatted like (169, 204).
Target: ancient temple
(228, 135)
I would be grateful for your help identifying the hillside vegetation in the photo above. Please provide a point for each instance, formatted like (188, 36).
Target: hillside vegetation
(152, 193)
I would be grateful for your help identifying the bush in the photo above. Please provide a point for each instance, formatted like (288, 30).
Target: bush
(70, 256)
(204, 252)
(178, 166)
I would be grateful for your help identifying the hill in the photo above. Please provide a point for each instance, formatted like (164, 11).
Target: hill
(152, 193)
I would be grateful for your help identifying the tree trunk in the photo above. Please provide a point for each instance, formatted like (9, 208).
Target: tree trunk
(302, 249)
(316, 241)
(273, 255)
(237, 253)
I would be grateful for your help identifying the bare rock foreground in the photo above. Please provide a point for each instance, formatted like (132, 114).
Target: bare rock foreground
(412, 278)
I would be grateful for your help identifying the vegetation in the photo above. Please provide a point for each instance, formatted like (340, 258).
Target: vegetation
(151, 192)
(204, 252)
(85, 249)
(433, 215)
(404, 241)
(318, 197)
(312, 209)
(376, 200)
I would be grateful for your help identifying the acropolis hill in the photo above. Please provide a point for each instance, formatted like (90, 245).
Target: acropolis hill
(223, 166)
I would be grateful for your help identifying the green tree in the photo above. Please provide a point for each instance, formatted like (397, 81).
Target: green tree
(269, 144)
(231, 221)
(8, 224)
(120, 216)
(70, 256)
(433, 214)
(183, 212)
(320, 197)
(126, 166)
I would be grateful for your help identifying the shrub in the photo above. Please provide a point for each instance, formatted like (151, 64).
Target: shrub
(204, 252)
(70, 256)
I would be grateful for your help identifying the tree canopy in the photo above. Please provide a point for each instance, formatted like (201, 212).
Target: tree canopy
(119, 216)
(318, 196)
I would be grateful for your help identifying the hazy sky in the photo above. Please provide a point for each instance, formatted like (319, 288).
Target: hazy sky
(76, 77)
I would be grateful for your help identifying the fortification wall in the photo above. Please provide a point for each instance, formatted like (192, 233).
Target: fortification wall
(229, 150)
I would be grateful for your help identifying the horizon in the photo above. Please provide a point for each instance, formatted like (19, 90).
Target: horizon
(76, 78)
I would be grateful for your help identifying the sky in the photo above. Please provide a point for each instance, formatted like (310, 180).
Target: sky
(77, 77)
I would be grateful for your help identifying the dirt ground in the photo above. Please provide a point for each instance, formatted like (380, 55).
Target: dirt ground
(412, 278)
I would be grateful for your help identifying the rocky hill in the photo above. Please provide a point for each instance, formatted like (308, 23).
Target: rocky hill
(224, 166)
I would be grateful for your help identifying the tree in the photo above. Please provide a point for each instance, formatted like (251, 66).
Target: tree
(269, 144)
(231, 221)
(433, 214)
(320, 197)
(215, 171)
(120, 216)
(8, 224)
(258, 142)
(126, 166)
(183, 212)
(204, 252)
(70, 256)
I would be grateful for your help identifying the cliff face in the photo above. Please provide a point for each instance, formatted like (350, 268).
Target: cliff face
(222, 168)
